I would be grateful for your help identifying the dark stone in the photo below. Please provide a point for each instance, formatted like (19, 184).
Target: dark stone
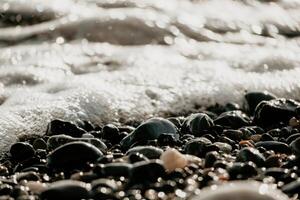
(292, 188)
(266, 137)
(166, 139)
(136, 157)
(21, 151)
(150, 152)
(211, 158)
(250, 154)
(254, 98)
(293, 137)
(195, 124)
(279, 174)
(242, 170)
(73, 155)
(113, 169)
(231, 106)
(278, 147)
(56, 141)
(233, 119)
(149, 130)
(111, 133)
(29, 176)
(146, 172)
(103, 182)
(295, 146)
(275, 111)
(39, 143)
(66, 189)
(5, 189)
(235, 135)
(58, 127)
(197, 146)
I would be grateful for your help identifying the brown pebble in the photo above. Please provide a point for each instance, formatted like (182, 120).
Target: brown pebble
(247, 143)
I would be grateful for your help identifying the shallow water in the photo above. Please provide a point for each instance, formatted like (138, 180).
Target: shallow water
(122, 61)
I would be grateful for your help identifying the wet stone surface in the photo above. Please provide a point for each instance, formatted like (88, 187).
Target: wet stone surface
(174, 158)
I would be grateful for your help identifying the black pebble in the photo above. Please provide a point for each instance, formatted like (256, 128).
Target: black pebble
(111, 133)
(278, 147)
(295, 146)
(21, 151)
(66, 189)
(233, 119)
(254, 98)
(195, 124)
(73, 155)
(150, 152)
(57, 127)
(250, 154)
(197, 146)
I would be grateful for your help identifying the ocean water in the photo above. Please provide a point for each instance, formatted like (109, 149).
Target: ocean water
(121, 61)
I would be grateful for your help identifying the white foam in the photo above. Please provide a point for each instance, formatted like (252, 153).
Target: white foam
(102, 83)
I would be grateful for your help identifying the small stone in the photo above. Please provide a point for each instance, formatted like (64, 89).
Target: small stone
(233, 119)
(3, 170)
(150, 152)
(111, 133)
(254, 98)
(292, 188)
(211, 158)
(35, 186)
(223, 147)
(39, 143)
(294, 122)
(173, 159)
(136, 157)
(21, 151)
(5, 189)
(149, 130)
(250, 154)
(116, 169)
(66, 189)
(146, 172)
(266, 137)
(58, 127)
(197, 147)
(195, 124)
(292, 138)
(73, 155)
(275, 111)
(295, 146)
(278, 147)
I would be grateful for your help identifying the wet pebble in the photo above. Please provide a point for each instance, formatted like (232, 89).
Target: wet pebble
(149, 130)
(295, 146)
(197, 147)
(111, 133)
(66, 189)
(251, 154)
(196, 124)
(254, 98)
(173, 159)
(73, 155)
(58, 127)
(21, 151)
(276, 146)
(150, 152)
(233, 119)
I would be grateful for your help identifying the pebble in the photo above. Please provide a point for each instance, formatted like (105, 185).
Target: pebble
(39, 143)
(111, 133)
(73, 155)
(292, 188)
(66, 189)
(116, 169)
(197, 147)
(275, 111)
(233, 119)
(149, 130)
(251, 154)
(58, 140)
(295, 146)
(58, 127)
(276, 146)
(21, 151)
(293, 137)
(173, 159)
(196, 124)
(254, 98)
(150, 152)
(223, 147)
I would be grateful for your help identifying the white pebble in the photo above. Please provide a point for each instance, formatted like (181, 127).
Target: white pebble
(173, 159)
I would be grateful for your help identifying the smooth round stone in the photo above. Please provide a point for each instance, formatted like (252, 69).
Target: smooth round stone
(35, 186)
(103, 182)
(113, 169)
(150, 152)
(56, 141)
(293, 137)
(278, 147)
(58, 127)
(149, 130)
(21, 151)
(73, 155)
(295, 146)
(275, 111)
(111, 133)
(66, 189)
(136, 157)
(241, 170)
(146, 172)
(241, 190)
(224, 147)
(266, 137)
(195, 124)
(254, 98)
(292, 188)
(211, 158)
(197, 147)
(39, 143)
(233, 119)
(250, 154)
